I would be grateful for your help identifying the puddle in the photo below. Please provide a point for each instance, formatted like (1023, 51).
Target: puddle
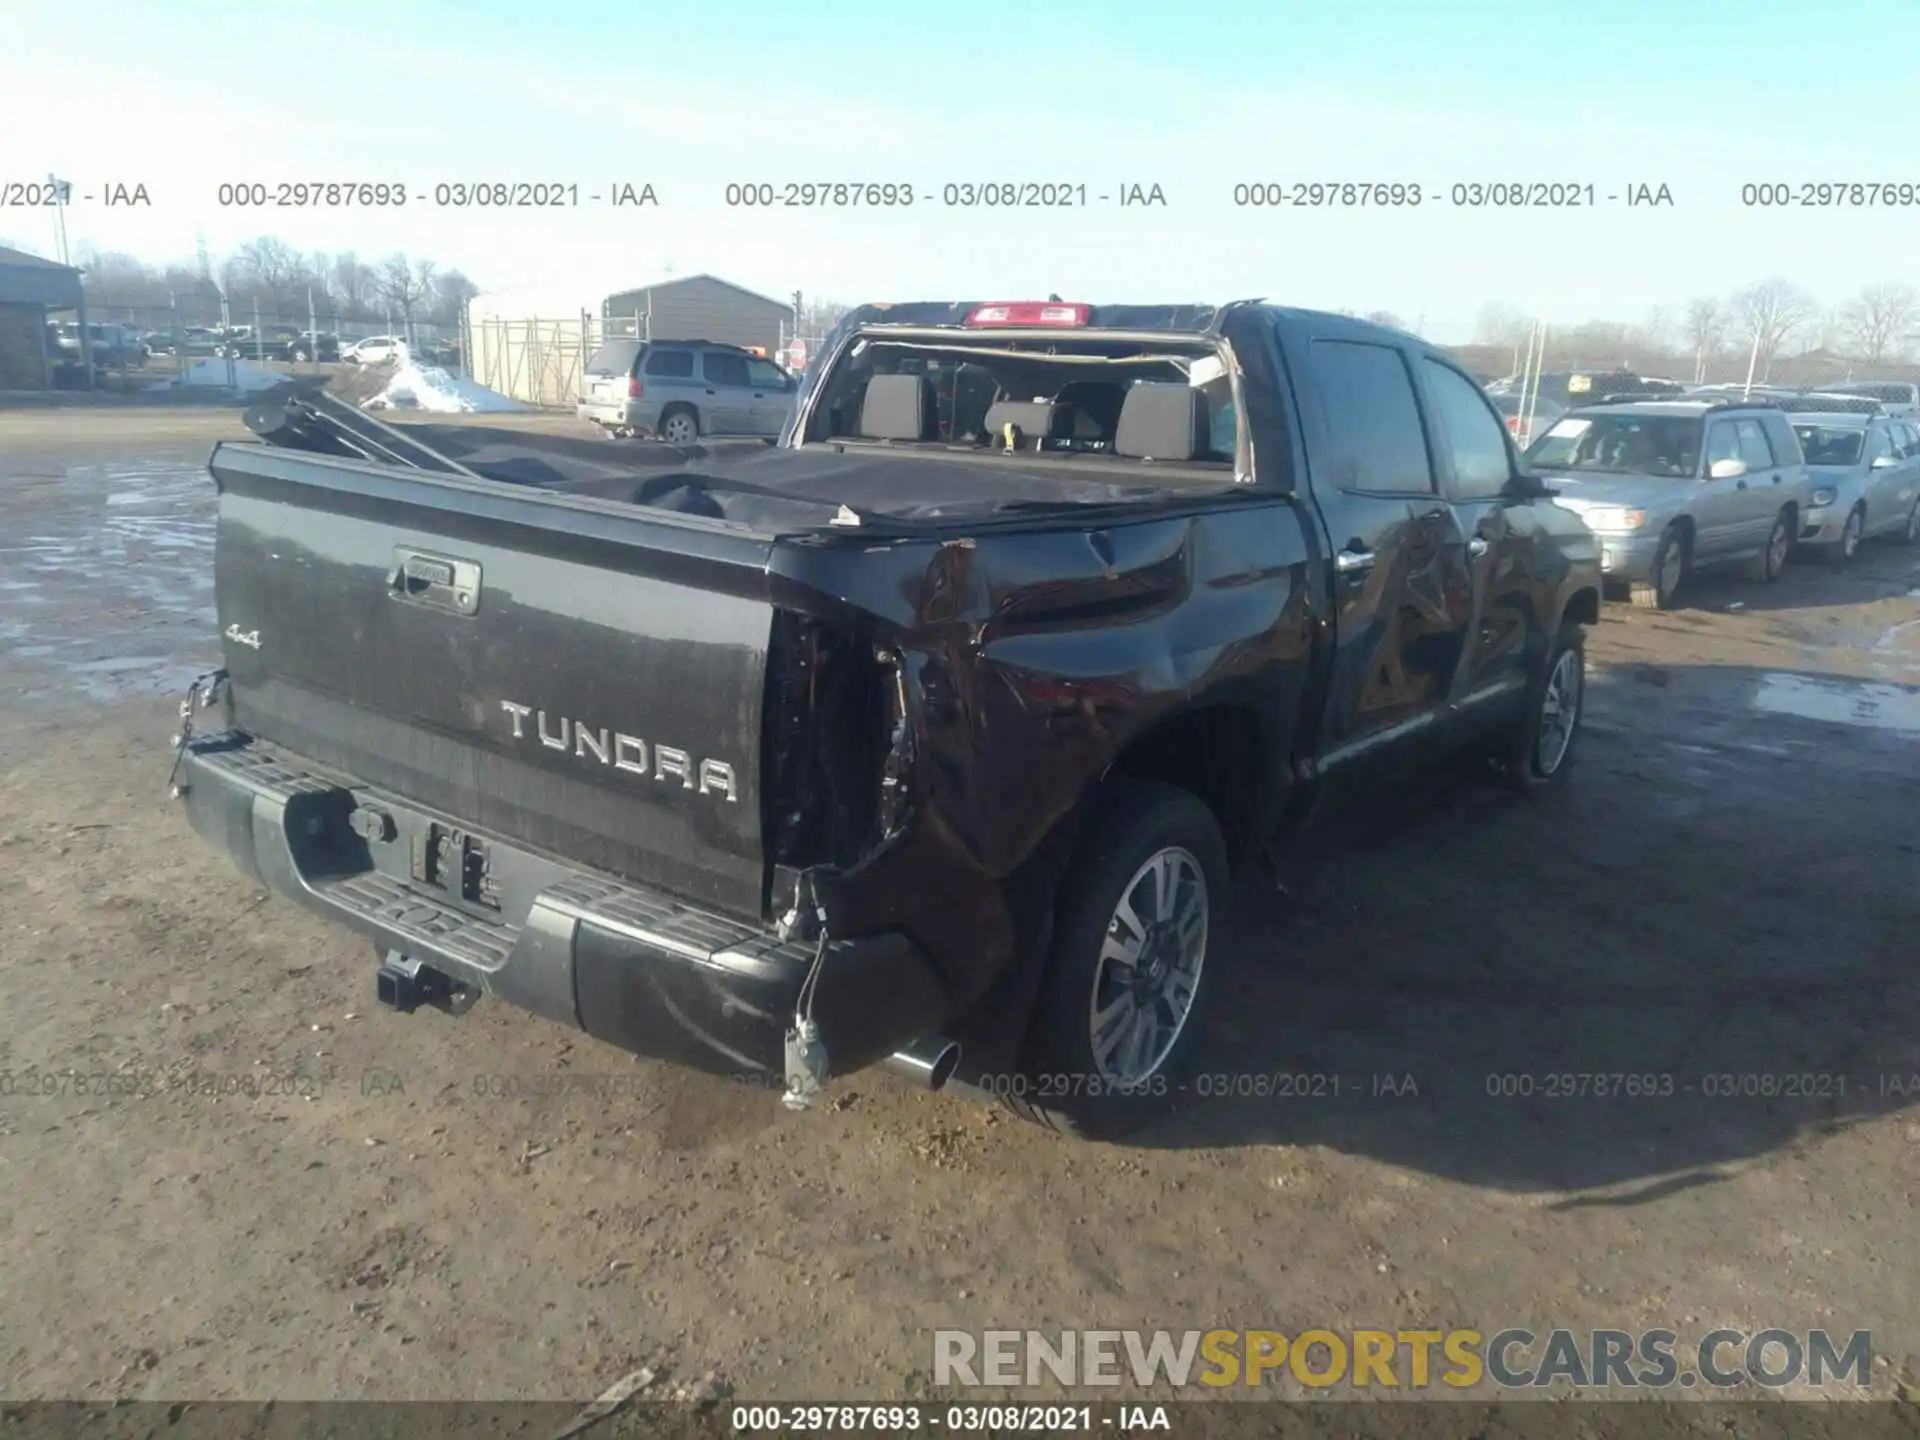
(1845, 702)
(116, 562)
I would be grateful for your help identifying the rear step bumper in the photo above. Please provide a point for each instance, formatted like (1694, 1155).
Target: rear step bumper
(631, 966)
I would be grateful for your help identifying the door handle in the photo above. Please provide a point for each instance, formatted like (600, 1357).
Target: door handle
(1476, 547)
(1776, 479)
(1353, 562)
(1741, 486)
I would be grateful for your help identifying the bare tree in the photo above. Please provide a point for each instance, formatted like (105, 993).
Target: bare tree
(1499, 323)
(403, 284)
(1767, 313)
(818, 317)
(1879, 319)
(273, 267)
(451, 292)
(353, 284)
(1385, 317)
(1705, 328)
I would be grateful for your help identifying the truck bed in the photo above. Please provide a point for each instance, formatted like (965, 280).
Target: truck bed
(784, 490)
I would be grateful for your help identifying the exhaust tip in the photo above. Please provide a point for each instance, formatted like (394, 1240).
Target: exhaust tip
(930, 1062)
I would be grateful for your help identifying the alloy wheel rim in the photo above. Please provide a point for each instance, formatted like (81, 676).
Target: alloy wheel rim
(1850, 537)
(1559, 712)
(679, 430)
(1148, 974)
(1777, 547)
(1670, 570)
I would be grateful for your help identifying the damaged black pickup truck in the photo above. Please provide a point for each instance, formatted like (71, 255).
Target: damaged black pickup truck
(930, 735)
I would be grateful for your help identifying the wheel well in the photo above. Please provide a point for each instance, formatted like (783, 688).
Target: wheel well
(1684, 524)
(1584, 607)
(1218, 754)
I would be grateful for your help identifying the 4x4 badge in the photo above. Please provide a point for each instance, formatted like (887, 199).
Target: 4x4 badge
(250, 638)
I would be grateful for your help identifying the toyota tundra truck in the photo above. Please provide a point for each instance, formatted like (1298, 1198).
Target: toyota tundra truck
(928, 737)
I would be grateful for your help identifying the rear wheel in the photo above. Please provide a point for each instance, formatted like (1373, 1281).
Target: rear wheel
(1658, 590)
(1767, 565)
(1128, 972)
(1909, 533)
(680, 426)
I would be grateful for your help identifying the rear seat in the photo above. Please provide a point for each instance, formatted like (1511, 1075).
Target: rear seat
(899, 407)
(1161, 420)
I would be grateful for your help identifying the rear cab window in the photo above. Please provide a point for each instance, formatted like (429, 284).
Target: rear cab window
(1061, 399)
(669, 364)
(1375, 441)
(1786, 444)
(723, 367)
(616, 357)
(1753, 446)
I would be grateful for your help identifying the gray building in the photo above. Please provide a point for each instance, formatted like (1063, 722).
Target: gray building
(29, 288)
(701, 307)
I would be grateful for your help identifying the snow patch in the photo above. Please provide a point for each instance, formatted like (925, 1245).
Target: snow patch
(429, 387)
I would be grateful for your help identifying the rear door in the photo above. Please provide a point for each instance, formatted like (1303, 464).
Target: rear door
(1722, 509)
(729, 392)
(1885, 487)
(1502, 539)
(1399, 596)
(1765, 488)
(773, 392)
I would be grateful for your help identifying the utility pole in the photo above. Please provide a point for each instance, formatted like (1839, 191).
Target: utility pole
(62, 192)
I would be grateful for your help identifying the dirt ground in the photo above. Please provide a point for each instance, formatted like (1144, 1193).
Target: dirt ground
(496, 1208)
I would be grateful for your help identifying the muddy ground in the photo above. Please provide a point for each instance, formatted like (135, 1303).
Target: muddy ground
(403, 1209)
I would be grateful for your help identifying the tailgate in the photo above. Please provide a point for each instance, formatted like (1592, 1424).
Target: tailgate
(571, 674)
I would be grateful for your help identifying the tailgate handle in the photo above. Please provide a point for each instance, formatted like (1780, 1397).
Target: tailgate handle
(437, 581)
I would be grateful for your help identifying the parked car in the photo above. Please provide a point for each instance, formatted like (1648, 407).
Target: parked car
(112, 345)
(374, 350)
(1897, 397)
(680, 390)
(1674, 486)
(1580, 387)
(269, 343)
(309, 345)
(884, 745)
(1865, 472)
(1526, 417)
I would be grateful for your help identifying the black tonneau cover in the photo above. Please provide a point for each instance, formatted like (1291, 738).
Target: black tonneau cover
(770, 491)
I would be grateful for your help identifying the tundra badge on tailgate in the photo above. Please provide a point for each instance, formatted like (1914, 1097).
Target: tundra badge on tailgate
(623, 752)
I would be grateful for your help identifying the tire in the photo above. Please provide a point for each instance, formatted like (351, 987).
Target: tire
(1142, 830)
(1909, 534)
(300, 357)
(1848, 546)
(1658, 592)
(1767, 565)
(680, 426)
(1540, 747)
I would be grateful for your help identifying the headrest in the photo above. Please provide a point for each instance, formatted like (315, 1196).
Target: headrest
(1160, 420)
(1036, 419)
(897, 407)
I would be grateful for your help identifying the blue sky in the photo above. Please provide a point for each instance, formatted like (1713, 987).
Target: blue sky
(1193, 97)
